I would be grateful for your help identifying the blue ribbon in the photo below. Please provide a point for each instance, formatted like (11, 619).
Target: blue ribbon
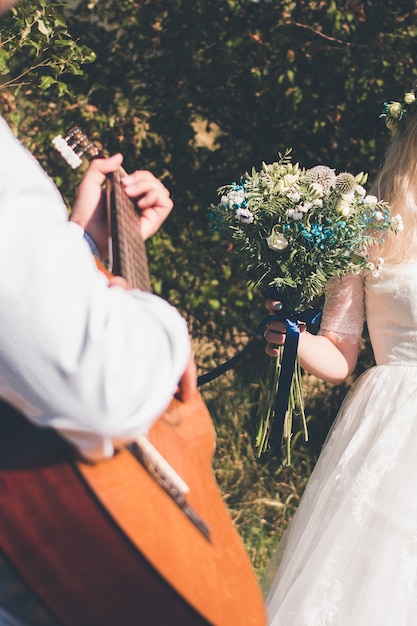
(228, 365)
(289, 356)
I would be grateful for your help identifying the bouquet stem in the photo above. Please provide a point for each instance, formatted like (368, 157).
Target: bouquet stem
(266, 410)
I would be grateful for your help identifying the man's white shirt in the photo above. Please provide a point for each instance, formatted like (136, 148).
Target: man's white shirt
(97, 364)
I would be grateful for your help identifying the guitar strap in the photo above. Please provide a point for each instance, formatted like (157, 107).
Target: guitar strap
(66, 546)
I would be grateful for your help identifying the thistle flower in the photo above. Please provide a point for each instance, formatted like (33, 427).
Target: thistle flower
(345, 183)
(323, 176)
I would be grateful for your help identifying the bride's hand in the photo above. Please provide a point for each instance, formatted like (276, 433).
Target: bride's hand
(275, 332)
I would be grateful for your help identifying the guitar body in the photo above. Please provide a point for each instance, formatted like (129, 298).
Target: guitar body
(103, 544)
(215, 577)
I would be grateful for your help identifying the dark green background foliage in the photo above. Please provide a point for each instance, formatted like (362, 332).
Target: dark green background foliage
(261, 76)
(199, 91)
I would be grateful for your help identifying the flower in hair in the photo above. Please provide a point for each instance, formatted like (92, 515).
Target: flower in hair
(395, 112)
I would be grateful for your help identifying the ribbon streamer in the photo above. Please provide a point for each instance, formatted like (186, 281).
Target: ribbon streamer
(228, 365)
(289, 355)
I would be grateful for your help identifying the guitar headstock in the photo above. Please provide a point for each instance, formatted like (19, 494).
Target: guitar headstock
(74, 145)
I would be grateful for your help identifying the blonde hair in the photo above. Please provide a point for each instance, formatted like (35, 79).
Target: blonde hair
(396, 183)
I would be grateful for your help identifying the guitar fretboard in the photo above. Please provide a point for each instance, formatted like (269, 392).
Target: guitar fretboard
(128, 247)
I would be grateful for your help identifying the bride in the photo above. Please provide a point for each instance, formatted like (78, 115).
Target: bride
(350, 554)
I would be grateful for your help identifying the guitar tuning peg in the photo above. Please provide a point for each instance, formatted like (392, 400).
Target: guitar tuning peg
(66, 151)
(74, 145)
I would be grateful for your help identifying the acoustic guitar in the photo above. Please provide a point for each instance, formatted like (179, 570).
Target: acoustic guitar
(142, 539)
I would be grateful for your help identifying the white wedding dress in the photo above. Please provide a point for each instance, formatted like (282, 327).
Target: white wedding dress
(351, 550)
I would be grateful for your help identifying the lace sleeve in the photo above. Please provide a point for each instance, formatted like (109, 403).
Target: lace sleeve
(344, 309)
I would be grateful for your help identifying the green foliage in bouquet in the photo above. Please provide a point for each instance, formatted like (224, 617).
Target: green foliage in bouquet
(293, 230)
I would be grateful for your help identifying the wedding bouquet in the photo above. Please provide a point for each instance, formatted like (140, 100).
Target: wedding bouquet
(293, 230)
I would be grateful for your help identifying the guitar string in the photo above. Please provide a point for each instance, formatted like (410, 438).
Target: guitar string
(130, 254)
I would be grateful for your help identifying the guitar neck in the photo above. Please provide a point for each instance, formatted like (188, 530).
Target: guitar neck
(128, 248)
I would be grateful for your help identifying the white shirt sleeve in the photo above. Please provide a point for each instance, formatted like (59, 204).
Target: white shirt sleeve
(97, 364)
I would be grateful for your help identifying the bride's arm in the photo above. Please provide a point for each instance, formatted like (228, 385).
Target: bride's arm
(332, 354)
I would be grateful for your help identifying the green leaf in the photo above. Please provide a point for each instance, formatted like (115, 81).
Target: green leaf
(43, 28)
(46, 82)
(4, 61)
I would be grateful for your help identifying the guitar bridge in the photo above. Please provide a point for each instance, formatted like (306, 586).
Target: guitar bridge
(168, 479)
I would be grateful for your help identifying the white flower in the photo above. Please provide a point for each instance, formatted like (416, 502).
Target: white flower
(375, 268)
(265, 175)
(396, 110)
(287, 181)
(236, 197)
(295, 214)
(318, 202)
(379, 216)
(397, 222)
(344, 206)
(360, 191)
(277, 241)
(371, 200)
(290, 179)
(295, 196)
(409, 97)
(244, 215)
(306, 206)
(317, 188)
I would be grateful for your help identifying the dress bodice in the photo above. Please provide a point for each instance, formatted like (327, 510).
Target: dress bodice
(388, 302)
(391, 313)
